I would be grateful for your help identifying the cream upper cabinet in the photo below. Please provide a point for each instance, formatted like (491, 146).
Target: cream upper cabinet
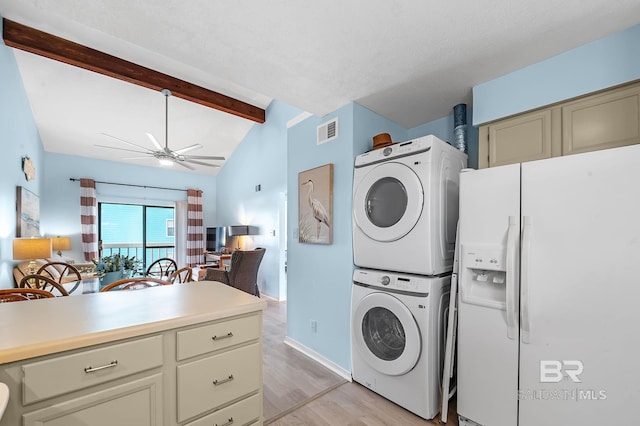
(603, 120)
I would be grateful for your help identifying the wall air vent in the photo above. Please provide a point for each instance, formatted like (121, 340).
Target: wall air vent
(328, 131)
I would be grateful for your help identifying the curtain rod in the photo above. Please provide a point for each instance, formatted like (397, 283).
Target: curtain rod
(131, 184)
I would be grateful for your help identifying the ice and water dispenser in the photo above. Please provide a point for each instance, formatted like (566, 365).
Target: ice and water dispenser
(484, 274)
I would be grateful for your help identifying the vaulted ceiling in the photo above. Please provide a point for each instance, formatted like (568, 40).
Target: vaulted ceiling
(409, 61)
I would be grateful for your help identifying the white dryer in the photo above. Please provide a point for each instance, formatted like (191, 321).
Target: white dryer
(397, 336)
(405, 206)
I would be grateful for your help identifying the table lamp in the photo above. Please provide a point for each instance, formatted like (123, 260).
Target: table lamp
(239, 231)
(31, 249)
(60, 243)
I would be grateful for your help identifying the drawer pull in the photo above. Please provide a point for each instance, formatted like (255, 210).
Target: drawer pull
(217, 382)
(229, 423)
(226, 336)
(91, 369)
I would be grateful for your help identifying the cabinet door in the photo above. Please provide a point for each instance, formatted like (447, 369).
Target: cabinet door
(138, 403)
(602, 121)
(527, 137)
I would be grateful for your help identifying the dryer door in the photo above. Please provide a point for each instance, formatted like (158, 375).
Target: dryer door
(388, 202)
(386, 334)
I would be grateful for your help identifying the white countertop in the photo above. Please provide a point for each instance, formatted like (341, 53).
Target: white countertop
(46, 326)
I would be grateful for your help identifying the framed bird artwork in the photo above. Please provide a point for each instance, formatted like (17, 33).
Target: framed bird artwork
(315, 205)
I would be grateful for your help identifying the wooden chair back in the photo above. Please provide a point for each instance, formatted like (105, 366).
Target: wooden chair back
(64, 269)
(40, 282)
(182, 275)
(162, 268)
(22, 294)
(135, 284)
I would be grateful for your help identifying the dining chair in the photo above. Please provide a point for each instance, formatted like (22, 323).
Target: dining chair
(182, 275)
(162, 268)
(40, 282)
(135, 284)
(22, 294)
(58, 271)
(243, 273)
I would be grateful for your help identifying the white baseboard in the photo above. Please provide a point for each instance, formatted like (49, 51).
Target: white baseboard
(345, 374)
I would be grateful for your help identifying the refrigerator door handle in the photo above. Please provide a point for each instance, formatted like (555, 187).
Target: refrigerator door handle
(524, 278)
(511, 290)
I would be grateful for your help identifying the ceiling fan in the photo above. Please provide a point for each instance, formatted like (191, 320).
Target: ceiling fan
(166, 156)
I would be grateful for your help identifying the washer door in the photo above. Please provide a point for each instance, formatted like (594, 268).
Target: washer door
(385, 334)
(388, 202)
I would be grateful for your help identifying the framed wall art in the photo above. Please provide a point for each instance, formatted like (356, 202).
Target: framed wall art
(315, 205)
(27, 213)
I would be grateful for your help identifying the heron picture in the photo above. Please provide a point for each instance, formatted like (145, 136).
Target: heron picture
(315, 205)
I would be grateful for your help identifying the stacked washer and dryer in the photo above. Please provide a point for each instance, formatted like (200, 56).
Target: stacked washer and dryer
(405, 211)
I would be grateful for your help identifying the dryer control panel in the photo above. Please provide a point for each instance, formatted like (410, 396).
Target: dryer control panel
(398, 149)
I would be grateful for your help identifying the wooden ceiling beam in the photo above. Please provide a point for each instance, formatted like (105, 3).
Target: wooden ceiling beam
(35, 41)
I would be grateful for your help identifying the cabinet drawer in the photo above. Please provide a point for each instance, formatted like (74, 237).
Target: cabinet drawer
(198, 341)
(131, 404)
(63, 374)
(211, 382)
(240, 413)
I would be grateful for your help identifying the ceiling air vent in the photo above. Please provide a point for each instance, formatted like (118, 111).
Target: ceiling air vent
(328, 131)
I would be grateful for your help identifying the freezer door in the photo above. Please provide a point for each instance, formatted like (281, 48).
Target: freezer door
(580, 289)
(487, 356)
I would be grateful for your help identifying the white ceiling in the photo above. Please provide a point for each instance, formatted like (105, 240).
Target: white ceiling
(408, 60)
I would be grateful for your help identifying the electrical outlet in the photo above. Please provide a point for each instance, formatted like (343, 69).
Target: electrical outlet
(314, 326)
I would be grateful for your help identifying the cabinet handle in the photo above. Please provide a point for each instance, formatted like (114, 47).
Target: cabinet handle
(229, 423)
(91, 369)
(217, 382)
(225, 336)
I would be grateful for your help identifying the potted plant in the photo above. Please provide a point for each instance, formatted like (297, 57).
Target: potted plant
(115, 267)
(131, 265)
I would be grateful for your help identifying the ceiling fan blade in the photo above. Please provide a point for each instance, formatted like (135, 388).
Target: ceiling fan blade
(123, 149)
(185, 165)
(122, 140)
(154, 141)
(187, 149)
(187, 160)
(137, 158)
(202, 157)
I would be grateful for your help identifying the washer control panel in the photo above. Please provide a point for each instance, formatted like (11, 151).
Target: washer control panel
(392, 281)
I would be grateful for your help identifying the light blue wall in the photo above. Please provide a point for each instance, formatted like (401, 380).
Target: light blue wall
(20, 138)
(60, 206)
(259, 160)
(319, 275)
(597, 65)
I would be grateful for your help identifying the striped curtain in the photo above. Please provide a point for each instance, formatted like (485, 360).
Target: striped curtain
(89, 218)
(195, 241)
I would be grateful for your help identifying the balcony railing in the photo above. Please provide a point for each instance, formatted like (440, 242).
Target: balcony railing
(154, 251)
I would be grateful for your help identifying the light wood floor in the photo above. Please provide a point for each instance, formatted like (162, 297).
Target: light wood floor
(299, 391)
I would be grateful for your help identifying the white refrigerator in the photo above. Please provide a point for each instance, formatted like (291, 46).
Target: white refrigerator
(549, 301)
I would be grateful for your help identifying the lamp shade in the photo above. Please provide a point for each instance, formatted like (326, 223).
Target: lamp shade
(238, 230)
(31, 248)
(61, 243)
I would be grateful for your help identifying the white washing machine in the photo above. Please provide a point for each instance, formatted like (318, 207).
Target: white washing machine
(397, 336)
(405, 206)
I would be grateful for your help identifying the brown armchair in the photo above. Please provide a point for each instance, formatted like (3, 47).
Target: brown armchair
(243, 273)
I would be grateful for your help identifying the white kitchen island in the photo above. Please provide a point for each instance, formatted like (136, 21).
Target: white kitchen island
(184, 354)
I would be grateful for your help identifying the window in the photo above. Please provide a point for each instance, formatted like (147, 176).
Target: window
(171, 232)
(146, 232)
